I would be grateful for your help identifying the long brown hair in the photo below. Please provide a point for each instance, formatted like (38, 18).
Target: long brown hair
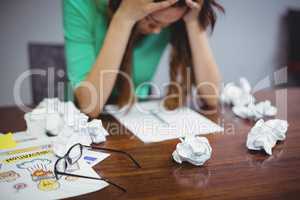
(181, 57)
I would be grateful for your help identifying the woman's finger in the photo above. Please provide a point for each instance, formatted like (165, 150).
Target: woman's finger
(152, 7)
(192, 4)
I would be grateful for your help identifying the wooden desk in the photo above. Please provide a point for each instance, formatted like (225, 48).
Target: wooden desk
(233, 172)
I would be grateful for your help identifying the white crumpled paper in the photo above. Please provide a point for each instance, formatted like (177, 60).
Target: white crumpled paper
(195, 150)
(255, 111)
(264, 135)
(243, 102)
(237, 95)
(66, 122)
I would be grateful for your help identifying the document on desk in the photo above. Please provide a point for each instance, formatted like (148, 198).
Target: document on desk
(27, 172)
(151, 122)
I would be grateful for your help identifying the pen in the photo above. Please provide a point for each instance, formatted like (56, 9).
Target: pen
(158, 117)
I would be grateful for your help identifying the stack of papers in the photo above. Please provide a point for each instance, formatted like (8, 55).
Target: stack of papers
(151, 122)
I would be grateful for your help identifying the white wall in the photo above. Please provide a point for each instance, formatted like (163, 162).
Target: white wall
(249, 39)
(22, 22)
(246, 41)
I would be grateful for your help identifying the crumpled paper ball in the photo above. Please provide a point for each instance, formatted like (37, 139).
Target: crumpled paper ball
(54, 123)
(243, 102)
(264, 135)
(35, 121)
(94, 127)
(237, 95)
(64, 141)
(64, 121)
(194, 149)
(85, 136)
(255, 111)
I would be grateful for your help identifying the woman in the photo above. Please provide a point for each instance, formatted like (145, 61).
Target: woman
(110, 43)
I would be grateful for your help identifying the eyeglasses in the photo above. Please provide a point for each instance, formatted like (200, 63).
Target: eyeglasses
(74, 154)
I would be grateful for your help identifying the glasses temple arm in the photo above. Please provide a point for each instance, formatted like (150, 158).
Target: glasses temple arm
(94, 178)
(116, 151)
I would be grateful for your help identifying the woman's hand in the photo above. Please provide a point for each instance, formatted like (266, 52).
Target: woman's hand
(195, 8)
(135, 10)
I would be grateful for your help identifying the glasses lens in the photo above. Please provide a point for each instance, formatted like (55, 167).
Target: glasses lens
(61, 166)
(74, 154)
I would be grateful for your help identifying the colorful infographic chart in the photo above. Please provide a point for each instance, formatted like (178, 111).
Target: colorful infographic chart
(28, 173)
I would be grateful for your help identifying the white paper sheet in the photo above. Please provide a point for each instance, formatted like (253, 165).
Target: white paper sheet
(163, 125)
(92, 158)
(28, 173)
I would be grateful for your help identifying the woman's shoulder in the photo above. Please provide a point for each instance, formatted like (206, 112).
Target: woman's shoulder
(84, 12)
(78, 10)
(86, 7)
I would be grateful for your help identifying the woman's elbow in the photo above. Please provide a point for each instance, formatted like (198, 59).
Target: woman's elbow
(87, 104)
(210, 97)
(93, 114)
(212, 102)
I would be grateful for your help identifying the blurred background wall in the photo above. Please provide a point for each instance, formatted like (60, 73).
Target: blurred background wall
(249, 40)
(23, 22)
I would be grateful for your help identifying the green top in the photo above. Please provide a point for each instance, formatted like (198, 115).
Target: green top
(85, 27)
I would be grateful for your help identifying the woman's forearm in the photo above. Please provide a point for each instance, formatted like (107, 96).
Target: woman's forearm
(93, 93)
(206, 71)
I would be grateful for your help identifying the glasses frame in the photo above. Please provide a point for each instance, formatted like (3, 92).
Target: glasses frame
(68, 160)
